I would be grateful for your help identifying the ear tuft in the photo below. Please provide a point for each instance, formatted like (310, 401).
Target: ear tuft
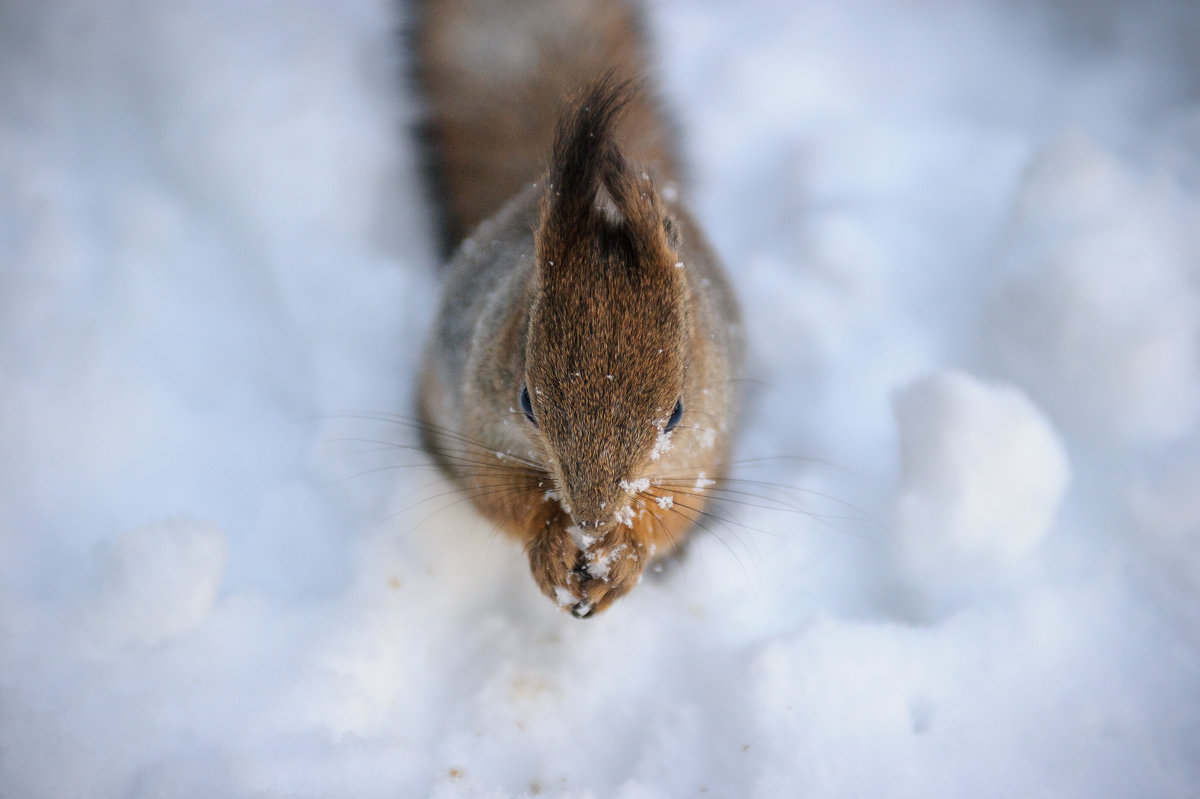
(584, 150)
(594, 201)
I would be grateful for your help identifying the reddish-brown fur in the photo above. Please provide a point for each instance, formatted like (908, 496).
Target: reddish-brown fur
(589, 289)
(494, 74)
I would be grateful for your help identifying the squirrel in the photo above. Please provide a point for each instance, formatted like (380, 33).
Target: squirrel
(579, 382)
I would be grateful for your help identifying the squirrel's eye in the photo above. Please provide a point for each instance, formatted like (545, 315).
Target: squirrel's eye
(676, 415)
(527, 405)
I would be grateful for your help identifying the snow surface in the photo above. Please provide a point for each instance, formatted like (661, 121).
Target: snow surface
(966, 235)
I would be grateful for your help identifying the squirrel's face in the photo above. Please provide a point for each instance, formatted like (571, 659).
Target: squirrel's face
(605, 366)
(609, 326)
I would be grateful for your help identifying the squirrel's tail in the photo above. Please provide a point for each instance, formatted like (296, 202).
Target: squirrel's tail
(493, 75)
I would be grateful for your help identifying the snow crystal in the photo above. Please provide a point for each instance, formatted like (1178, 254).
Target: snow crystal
(665, 502)
(624, 516)
(581, 537)
(598, 565)
(702, 482)
(636, 486)
(662, 444)
(564, 597)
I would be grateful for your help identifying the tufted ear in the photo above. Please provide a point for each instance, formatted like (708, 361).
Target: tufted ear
(583, 151)
(594, 202)
(645, 226)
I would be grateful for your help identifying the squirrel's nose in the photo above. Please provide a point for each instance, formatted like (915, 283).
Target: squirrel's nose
(593, 510)
(599, 525)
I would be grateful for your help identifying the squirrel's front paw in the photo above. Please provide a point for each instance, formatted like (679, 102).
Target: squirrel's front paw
(586, 583)
(609, 570)
(554, 561)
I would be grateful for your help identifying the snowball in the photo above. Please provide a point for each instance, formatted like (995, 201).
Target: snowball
(982, 473)
(155, 582)
(1096, 312)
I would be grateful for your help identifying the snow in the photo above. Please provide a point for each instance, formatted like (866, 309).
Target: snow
(598, 565)
(982, 474)
(635, 486)
(1098, 307)
(662, 444)
(154, 583)
(966, 554)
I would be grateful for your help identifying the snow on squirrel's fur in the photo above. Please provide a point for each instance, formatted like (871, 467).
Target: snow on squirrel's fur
(967, 230)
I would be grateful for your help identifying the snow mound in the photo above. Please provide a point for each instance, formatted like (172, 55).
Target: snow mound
(1097, 312)
(155, 582)
(982, 476)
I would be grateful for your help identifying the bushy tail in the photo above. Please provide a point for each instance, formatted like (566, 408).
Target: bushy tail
(494, 74)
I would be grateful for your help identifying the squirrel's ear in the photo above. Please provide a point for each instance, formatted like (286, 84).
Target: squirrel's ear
(645, 224)
(593, 200)
(583, 152)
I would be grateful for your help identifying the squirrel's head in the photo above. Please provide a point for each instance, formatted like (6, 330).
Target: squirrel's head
(609, 319)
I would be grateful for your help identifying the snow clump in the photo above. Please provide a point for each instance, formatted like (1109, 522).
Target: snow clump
(982, 474)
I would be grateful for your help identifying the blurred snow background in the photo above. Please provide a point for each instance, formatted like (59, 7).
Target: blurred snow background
(967, 239)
